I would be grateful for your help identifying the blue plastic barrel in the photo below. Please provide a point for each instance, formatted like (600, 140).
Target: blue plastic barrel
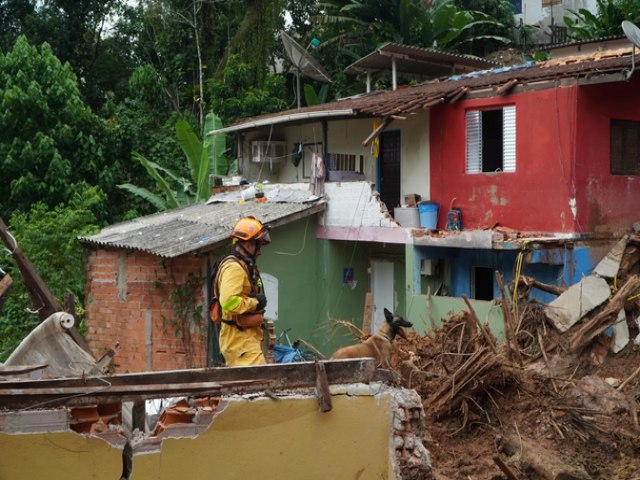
(428, 214)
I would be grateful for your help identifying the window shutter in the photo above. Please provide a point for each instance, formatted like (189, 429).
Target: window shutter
(474, 142)
(509, 138)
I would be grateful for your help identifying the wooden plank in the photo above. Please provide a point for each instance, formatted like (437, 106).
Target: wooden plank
(5, 284)
(384, 124)
(213, 381)
(367, 313)
(41, 298)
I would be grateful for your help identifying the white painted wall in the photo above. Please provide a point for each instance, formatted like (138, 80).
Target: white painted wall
(414, 137)
(345, 136)
(353, 204)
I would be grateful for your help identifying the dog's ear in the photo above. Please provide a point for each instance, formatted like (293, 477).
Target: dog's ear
(388, 315)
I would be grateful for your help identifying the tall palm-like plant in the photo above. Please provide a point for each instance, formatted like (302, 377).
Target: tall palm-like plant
(204, 157)
(361, 25)
(606, 22)
(447, 27)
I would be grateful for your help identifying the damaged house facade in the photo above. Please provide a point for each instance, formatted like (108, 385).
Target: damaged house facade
(538, 161)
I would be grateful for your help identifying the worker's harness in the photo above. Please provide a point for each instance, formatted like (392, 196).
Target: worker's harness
(244, 320)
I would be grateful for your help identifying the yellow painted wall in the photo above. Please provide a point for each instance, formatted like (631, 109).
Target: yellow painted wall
(58, 456)
(286, 438)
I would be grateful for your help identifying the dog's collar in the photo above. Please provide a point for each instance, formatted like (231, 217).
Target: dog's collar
(383, 334)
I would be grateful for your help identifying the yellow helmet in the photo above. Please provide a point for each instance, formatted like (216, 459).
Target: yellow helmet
(249, 228)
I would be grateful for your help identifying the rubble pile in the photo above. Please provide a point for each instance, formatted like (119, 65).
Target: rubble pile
(557, 400)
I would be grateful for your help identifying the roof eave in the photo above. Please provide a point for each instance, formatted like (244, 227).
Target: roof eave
(277, 119)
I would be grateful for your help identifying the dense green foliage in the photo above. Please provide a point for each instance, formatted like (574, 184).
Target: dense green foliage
(49, 239)
(48, 136)
(96, 94)
(605, 22)
(204, 156)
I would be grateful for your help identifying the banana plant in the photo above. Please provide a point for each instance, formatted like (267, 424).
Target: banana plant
(313, 98)
(606, 22)
(446, 27)
(204, 157)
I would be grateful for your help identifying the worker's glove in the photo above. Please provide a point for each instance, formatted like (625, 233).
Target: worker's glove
(262, 300)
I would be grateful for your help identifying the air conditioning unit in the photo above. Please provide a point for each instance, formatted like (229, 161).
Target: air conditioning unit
(268, 151)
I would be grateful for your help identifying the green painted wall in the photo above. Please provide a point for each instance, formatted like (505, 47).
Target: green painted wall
(311, 290)
(340, 301)
(292, 259)
(444, 307)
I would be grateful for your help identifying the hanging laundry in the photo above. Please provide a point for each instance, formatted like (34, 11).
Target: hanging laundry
(316, 185)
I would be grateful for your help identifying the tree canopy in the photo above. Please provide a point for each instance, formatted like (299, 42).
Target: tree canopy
(97, 94)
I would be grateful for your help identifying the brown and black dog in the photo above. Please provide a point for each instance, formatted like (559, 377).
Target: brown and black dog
(378, 345)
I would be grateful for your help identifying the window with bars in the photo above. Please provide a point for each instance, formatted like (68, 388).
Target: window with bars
(491, 140)
(625, 147)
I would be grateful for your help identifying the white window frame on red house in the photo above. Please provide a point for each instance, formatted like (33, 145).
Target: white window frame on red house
(474, 141)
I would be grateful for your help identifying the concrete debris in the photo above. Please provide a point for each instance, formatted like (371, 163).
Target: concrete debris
(577, 301)
(564, 413)
(620, 337)
(610, 264)
(594, 393)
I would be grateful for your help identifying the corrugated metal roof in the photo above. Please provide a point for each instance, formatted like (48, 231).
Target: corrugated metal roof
(407, 99)
(204, 226)
(417, 60)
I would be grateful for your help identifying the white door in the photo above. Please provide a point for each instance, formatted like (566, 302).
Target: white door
(383, 295)
(270, 285)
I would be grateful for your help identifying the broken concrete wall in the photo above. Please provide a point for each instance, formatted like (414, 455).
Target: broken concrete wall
(369, 433)
(444, 307)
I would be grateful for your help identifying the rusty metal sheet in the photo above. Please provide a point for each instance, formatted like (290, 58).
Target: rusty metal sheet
(403, 100)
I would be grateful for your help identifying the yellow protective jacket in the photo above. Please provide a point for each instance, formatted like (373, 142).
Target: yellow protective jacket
(239, 347)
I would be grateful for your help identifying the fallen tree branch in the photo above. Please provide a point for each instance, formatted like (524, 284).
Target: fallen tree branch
(629, 378)
(476, 320)
(607, 317)
(545, 287)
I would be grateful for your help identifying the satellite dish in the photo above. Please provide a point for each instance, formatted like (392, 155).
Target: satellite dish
(633, 34)
(303, 63)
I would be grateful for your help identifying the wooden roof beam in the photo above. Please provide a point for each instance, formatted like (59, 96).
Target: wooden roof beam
(384, 124)
(504, 88)
(458, 94)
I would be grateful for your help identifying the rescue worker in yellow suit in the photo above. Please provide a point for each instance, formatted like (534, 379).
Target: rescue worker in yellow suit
(242, 297)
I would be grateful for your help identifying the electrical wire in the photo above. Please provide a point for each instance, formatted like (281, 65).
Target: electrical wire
(304, 239)
(519, 262)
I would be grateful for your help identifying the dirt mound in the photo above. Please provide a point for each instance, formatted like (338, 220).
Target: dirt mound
(531, 408)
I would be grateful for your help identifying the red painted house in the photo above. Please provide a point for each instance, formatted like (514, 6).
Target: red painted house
(541, 159)
(573, 163)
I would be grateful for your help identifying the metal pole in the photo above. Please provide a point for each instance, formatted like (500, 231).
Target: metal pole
(298, 86)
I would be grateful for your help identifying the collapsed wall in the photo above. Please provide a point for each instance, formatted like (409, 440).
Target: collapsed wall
(372, 431)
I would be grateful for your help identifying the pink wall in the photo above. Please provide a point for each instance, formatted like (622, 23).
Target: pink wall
(138, 312)
(606, 203)
(536, 198)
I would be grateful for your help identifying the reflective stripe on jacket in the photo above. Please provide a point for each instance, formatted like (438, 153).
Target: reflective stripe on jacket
(239, 347)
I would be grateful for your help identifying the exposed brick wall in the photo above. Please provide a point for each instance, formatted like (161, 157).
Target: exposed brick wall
(130, 301)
